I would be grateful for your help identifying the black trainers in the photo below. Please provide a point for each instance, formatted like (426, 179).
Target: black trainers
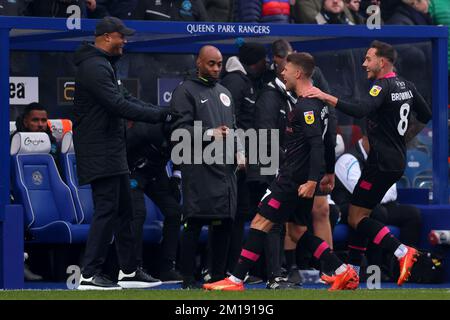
(249, 279)
(295, 277)
(190, 284)
(97, 282)
(171, 276)
(137, 280)
(279, 283)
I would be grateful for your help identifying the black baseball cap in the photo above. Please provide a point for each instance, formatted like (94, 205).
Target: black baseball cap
(112, 24)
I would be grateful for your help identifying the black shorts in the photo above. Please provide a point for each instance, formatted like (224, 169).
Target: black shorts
(281, 203)
(373, 185)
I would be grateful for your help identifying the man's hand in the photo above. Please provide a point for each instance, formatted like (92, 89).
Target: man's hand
(327, 183)
(314, 92)
(220, 132)
(241, 161)
(307, 189)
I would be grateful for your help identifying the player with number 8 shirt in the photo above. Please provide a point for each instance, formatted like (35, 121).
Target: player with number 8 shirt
(388, 107)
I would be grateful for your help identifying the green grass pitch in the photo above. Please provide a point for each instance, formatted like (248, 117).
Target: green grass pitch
(256, 294)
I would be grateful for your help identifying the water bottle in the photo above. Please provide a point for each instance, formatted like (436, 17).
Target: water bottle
(439, 237)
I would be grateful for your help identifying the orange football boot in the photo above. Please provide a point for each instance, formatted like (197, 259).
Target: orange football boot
(348, 280)
(224, 285)
(406, 264)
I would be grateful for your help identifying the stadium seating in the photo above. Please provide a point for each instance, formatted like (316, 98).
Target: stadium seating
(50, 215)
(418, 163)
(12, 127)
(153, 223)
(425, 137)
(82, 195)
(59, 128)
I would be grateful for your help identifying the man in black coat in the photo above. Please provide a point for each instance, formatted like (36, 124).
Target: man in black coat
(148, 152)
(100, 106)
(209, 189)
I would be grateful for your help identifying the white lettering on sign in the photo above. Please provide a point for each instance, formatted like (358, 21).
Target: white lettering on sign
(226, 28)
(23, 90)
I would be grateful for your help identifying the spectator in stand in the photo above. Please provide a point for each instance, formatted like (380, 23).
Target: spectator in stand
(9, 8)
(440, 12)
(353, 6)
(247, 10)
(219, 10)
(275, 11)
(264, 11)
(122, 9)
(332, 12)
(177, 10)
(55, 8)
(305, 11)
(411, 12)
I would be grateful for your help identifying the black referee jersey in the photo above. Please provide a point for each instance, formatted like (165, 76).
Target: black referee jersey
(388, 106)
(308, 141)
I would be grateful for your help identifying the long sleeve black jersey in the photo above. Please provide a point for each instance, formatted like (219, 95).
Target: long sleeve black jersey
(388, 106)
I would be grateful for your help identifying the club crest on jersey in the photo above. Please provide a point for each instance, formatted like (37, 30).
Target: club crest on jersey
(225, 99)
(309, 117)
(375, 91)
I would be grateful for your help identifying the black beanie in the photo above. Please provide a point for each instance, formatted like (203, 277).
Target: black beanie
(251, 53)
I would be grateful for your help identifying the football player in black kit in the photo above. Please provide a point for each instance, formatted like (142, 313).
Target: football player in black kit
(290, 197)
(388, 106)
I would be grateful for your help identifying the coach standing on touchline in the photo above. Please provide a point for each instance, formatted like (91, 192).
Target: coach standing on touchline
(101, 106)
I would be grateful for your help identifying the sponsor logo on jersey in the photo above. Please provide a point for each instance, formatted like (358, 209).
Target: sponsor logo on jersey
(309, 117)
(375, 91)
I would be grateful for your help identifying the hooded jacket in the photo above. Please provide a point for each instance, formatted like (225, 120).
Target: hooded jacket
(209, 190)
(100, 106)
(242, 90)
(272, 106)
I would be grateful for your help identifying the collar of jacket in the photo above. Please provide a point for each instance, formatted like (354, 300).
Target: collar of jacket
(209, 82)
(280, 86)
(333, 18)
(112, 59)
(233, 64)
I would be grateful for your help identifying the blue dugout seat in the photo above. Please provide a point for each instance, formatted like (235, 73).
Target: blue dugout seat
(50, 215)
(418, 163)
(82, 195)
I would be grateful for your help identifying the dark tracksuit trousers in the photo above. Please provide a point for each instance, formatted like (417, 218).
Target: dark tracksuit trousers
(112, 217)
(158, 189)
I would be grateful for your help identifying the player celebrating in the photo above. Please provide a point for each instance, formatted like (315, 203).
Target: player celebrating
(291, 194)
(388, 106)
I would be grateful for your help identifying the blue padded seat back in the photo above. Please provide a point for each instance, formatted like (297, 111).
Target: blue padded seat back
(39, 187)
(82, 195)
